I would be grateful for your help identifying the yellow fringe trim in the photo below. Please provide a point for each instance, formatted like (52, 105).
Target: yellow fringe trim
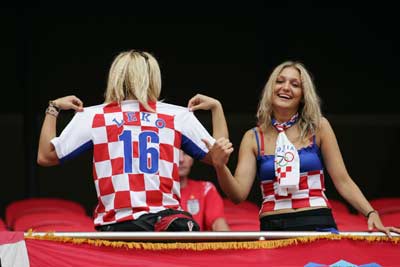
(199, 246)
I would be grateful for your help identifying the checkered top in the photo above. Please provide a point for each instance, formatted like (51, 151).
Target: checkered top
(310, 193)
(135, 155)
(311, 182)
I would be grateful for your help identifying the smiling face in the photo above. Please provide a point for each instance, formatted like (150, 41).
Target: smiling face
(288, 91)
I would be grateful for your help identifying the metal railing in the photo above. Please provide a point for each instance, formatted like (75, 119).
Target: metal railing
(199, 236)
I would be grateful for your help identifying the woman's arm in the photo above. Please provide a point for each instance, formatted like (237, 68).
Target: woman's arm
(344, 184)
(46, 153)
(236, 187)
(220, 128)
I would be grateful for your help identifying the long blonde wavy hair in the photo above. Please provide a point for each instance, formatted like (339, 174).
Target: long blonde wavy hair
(309, 110)
(134, 75)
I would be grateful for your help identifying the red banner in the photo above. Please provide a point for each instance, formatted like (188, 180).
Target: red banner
(44, 253)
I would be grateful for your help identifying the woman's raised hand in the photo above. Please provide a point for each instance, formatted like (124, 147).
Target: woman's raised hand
(69, 102)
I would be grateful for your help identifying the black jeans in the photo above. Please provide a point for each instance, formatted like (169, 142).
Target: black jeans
(308, 220)
(148, 223)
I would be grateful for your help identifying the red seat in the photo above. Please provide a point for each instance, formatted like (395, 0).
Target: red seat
(391, 219)
(245, 225)
(386, 205)
(346, 221)
(3, 226)
(64, 228)
(350, 222)
(338, 206)
(33, 205)
(54, 221)
(359, 222)
(242, 216)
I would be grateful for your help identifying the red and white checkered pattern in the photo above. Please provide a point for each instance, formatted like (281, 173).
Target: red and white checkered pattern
(310, 193)
(282, 172)
(125, 194)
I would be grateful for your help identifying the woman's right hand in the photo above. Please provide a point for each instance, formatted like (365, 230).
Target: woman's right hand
(69, 102)
(220, 151)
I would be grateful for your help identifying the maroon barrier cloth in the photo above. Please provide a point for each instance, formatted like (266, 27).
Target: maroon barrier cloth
(325, 251)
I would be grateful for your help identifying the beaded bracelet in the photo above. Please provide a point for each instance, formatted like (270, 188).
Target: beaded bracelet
(51, 110)
(369, 213)
(53, 104)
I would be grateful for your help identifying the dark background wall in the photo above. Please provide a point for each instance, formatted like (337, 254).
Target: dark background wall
(225, 51)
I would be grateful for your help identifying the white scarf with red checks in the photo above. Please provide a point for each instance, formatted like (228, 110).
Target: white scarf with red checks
(287, 161)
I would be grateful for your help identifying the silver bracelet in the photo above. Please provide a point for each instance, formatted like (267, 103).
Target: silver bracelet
(51, 110)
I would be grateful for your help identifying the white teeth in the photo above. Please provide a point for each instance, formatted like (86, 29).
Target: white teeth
(284, 96)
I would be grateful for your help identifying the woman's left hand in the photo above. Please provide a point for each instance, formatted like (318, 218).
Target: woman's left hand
(204, 102)
(374, 221)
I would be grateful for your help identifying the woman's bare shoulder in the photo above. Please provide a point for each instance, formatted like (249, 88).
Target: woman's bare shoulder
(323, 124)
(250, 133)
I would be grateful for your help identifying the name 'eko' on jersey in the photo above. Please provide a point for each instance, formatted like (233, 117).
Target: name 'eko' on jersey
(135, 155)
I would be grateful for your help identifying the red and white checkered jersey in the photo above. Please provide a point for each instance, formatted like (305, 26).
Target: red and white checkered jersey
(135, 155)
(310, 193)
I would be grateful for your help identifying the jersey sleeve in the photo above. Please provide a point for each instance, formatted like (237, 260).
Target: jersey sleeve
(75, 138)
(192, 134)
(213, 205)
